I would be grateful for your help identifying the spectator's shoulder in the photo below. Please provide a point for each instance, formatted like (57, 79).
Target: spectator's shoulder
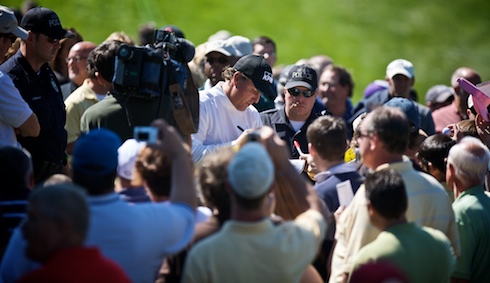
(423, 110)
(269, 112)
(267, 116)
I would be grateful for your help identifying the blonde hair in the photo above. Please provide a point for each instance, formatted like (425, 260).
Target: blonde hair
(121, 36)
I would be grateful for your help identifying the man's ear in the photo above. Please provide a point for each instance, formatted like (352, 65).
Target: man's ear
(374, 141)
(100, 80)
(311, 149)
(30, 36)
(370, 208)
(430, 166)
(450, 171)
(235, 78)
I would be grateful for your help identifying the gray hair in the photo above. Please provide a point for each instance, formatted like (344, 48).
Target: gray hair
(391, 126)
(63, 202)
(470, 158)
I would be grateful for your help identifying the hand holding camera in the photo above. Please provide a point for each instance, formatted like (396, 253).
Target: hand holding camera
(162, 134)
(146, 134)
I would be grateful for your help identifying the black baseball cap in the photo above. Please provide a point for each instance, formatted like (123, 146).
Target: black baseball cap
(302, 75)
(45, 21)
(258, 70)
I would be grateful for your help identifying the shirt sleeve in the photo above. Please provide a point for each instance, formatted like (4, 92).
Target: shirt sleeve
(14, 110)
(199, 148)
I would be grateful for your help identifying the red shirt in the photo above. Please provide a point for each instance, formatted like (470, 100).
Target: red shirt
(74, 265)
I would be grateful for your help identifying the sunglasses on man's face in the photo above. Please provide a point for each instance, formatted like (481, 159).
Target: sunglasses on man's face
(295, 92)
(50, 39)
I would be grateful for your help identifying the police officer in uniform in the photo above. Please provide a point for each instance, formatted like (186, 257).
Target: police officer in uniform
(36, 82)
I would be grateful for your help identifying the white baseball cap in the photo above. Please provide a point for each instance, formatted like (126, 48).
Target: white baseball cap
(220, 46)
(127, 154)
(241, 45)
(251, 171)
(400, 67)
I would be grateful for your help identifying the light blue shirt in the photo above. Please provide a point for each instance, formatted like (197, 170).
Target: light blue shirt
(137, 237)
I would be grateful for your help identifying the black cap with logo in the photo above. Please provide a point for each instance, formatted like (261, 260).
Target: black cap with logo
(258, 70)
(45, 21)
(302, 75)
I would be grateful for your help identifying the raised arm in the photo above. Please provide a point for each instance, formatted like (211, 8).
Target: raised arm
(182, 188)
(302, 191)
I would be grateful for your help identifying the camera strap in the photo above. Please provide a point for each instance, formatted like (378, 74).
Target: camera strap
(181, 111)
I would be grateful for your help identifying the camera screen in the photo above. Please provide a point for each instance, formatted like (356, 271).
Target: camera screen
(143, 136)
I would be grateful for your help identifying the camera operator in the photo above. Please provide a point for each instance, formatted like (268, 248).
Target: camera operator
(100, 70)
(140, 86)
(226, 110)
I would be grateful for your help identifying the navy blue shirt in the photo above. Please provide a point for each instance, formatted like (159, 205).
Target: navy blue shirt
(277, 120)
(43, 94)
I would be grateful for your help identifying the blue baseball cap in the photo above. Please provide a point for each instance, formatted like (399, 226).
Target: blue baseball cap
(95, 153)
(408, 107)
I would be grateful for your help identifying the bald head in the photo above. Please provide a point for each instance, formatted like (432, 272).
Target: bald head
(77, 61)
(467, 73)
(461, 97)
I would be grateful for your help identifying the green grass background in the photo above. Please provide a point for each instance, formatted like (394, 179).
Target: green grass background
(364, 36)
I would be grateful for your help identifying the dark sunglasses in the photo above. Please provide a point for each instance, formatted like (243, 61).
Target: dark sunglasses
(50, 39)
(295, 92)
(220, 60)
(10, 36)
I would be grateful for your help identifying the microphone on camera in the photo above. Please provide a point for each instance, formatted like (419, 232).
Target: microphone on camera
(185, 50)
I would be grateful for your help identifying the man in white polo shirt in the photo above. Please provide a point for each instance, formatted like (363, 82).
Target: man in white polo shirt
(226, 109)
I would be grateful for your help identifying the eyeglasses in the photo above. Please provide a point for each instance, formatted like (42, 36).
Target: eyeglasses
(364, 135)
(262, 53)
(330, 84)
(9, 36)
(76, 59)
(220, 60)
(295, 92)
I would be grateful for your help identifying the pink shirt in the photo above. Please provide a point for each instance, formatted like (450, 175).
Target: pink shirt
(445, 116)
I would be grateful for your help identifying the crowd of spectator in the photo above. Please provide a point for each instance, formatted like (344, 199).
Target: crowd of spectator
(246, 172)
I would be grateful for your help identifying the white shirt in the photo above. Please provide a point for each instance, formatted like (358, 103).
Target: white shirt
(14, 111)
(218, 122)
